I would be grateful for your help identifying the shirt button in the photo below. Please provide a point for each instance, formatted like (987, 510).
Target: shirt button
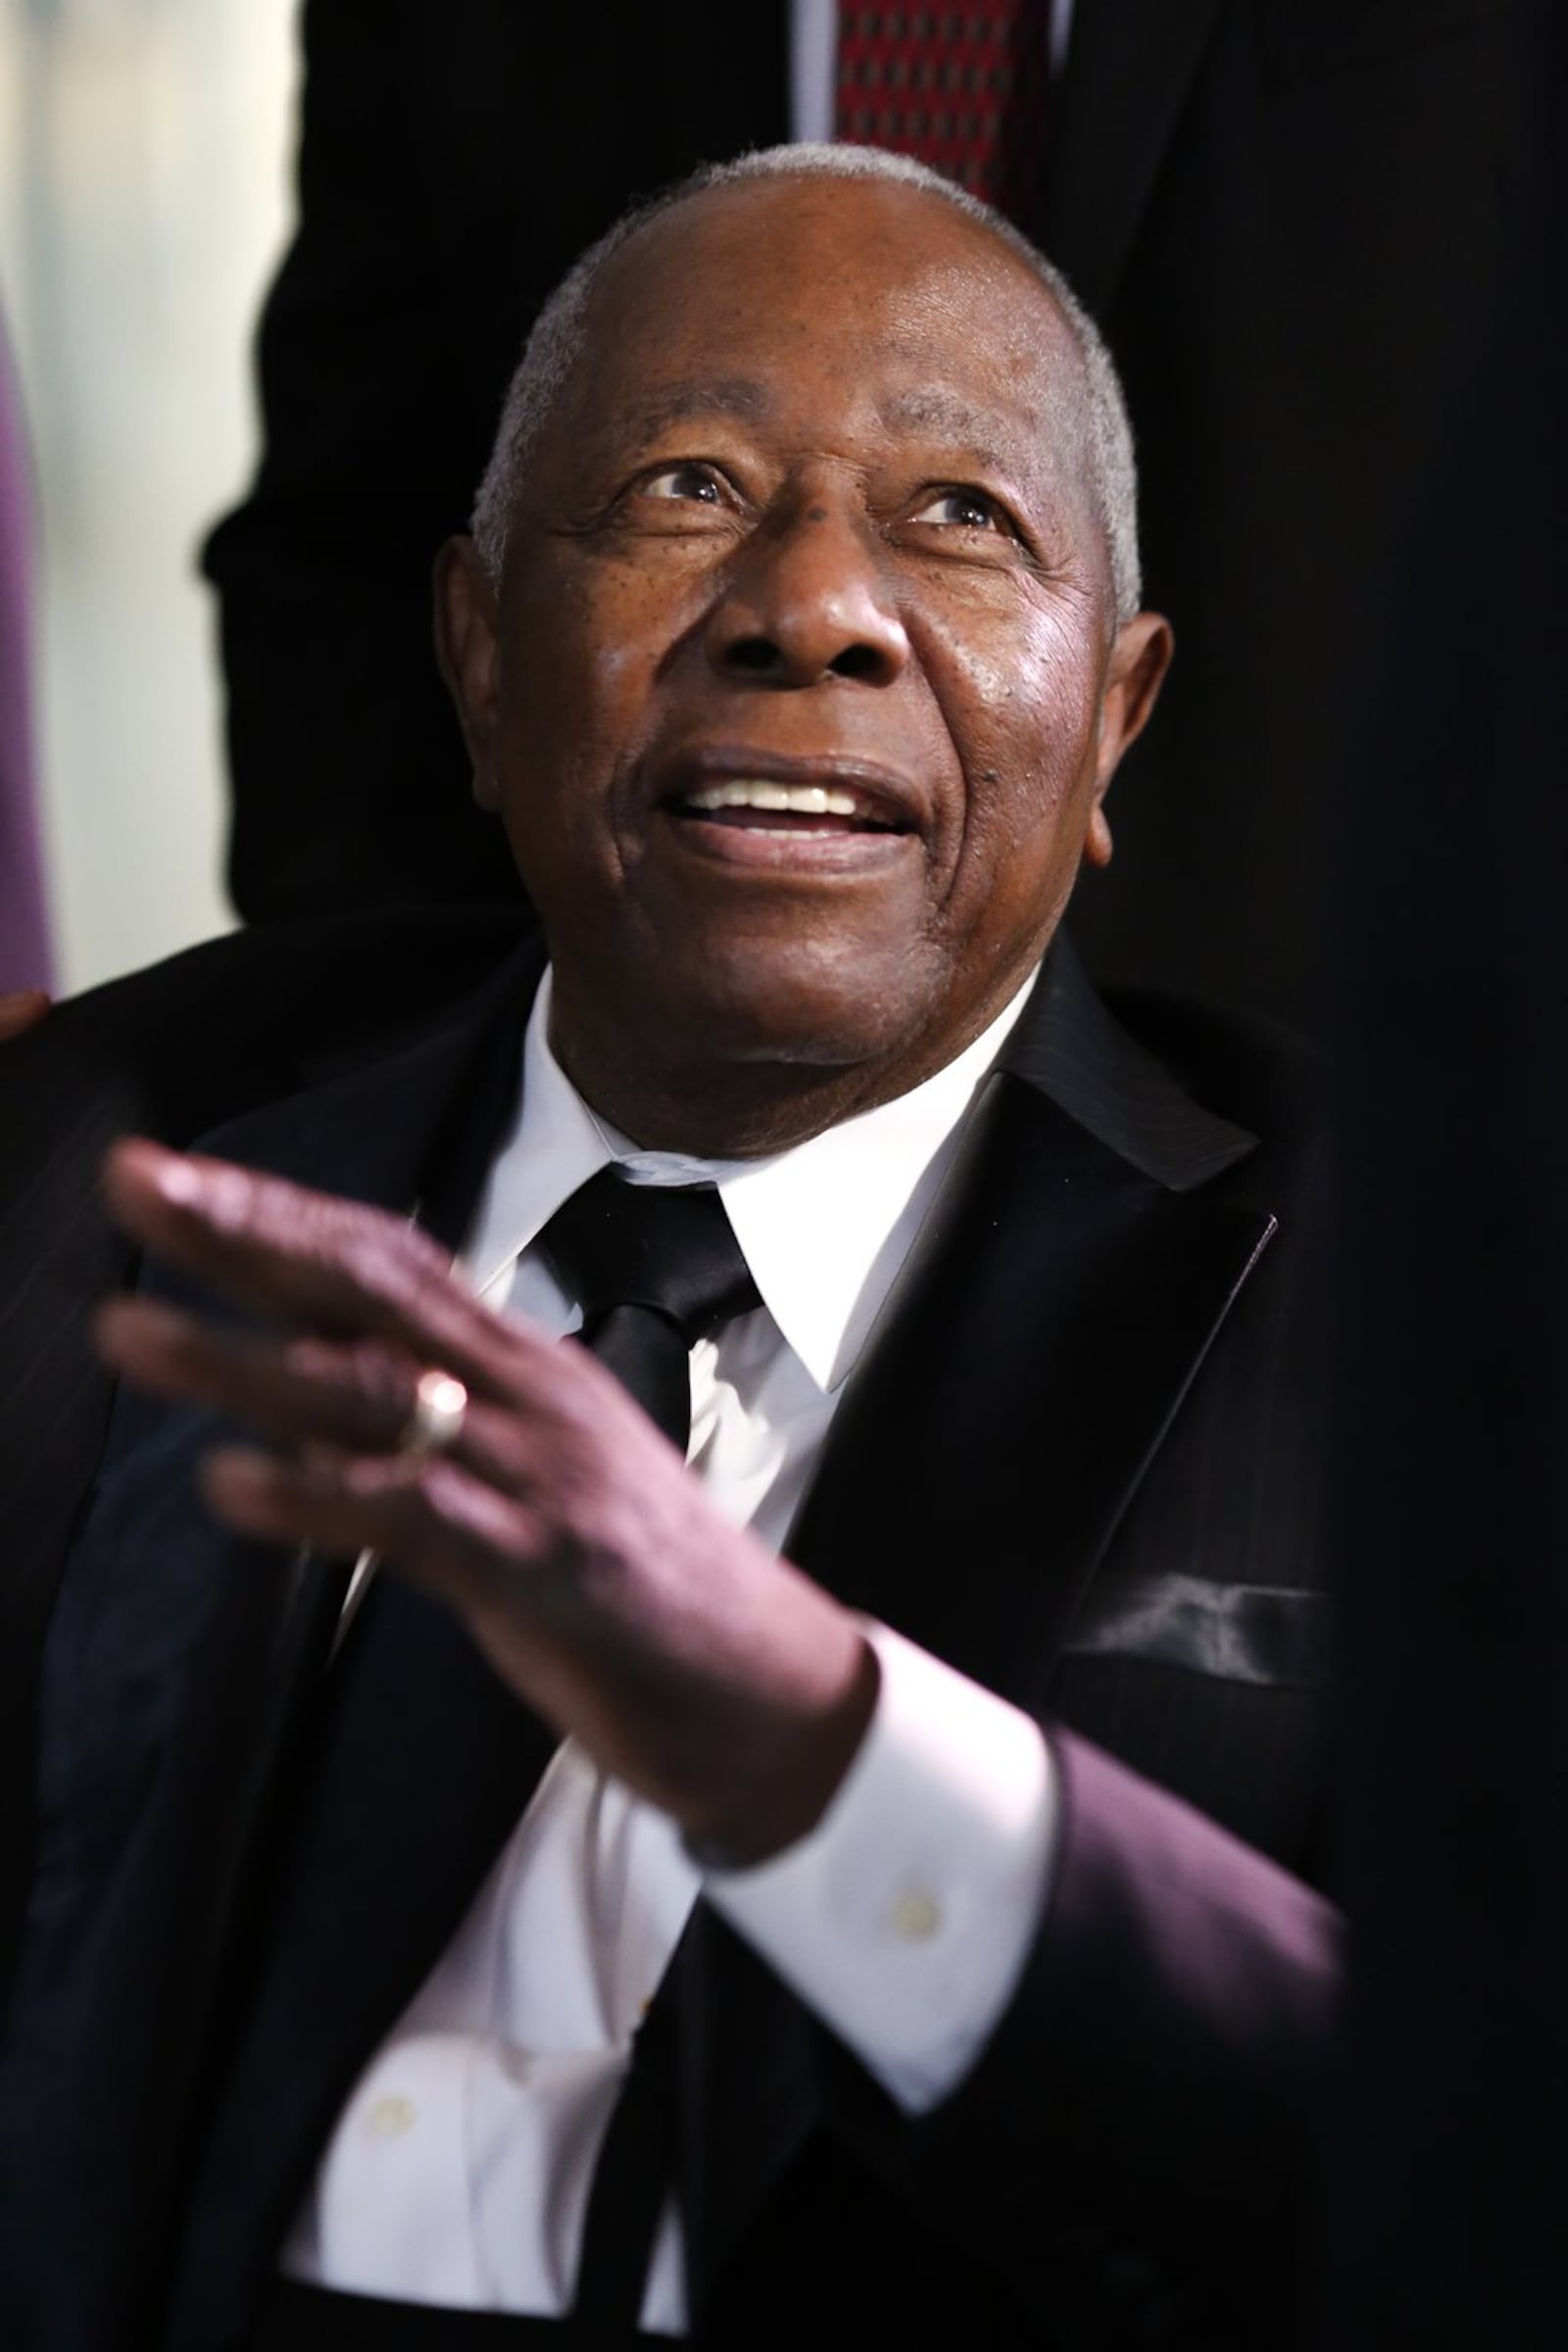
(391, 2117)
(916, 1914)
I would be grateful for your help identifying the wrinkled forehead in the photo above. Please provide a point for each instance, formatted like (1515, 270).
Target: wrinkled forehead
(831, 293)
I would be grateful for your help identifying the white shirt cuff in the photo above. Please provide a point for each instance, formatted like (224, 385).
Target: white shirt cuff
(905, 1918)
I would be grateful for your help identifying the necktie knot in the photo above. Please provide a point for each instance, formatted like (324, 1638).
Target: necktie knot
(655, 1268)
(668, 1248)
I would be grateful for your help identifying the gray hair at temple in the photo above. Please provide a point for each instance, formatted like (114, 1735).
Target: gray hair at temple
(1102, 429)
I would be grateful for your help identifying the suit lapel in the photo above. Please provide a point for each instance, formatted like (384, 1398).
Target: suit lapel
(1051, 1366)
(1056, 1305)
(410, 1125)
(1130, 64)
(1061, 1294)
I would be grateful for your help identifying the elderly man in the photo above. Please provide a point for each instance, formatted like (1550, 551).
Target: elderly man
(497, 1876)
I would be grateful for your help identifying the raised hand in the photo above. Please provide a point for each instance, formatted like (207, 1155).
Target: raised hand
(580, 1553)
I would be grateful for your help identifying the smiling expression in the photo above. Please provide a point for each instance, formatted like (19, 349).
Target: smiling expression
(802, 687)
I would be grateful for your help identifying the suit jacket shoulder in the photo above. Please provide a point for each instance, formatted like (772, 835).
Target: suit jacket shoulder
(170, 1052)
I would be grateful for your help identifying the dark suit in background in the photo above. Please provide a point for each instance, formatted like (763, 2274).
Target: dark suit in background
(1453, 1394)
(1288, 215)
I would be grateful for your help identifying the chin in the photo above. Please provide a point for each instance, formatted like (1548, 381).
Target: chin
(828, 1011)
(804, 1030)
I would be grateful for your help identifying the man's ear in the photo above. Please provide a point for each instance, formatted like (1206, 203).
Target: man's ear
(1134, 677)
(466, 626)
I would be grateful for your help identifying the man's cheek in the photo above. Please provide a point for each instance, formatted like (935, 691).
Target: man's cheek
(993, 643)
(623, 673)
(1024, 820)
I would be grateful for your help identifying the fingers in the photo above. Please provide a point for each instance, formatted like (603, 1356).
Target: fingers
(299, 1257)
(431, 1520)
(348, 1398)
(373, 1306)
(356, 1396)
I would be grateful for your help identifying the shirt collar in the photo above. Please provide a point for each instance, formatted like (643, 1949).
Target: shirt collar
(824, 1226)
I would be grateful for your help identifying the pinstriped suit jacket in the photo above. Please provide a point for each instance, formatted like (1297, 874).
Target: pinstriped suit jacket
(1117, 1527)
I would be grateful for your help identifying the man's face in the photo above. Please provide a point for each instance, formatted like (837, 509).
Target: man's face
(806, 525)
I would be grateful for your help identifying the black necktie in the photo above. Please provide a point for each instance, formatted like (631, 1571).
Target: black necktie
(655, 1268)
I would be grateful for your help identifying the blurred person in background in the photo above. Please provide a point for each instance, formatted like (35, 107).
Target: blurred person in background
(1286, 218)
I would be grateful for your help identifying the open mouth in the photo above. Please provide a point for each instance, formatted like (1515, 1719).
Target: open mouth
(758, 804)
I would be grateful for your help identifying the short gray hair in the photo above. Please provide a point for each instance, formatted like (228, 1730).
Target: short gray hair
(555, 344)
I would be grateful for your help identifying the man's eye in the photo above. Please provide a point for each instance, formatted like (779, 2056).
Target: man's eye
(687, 481)
(962, 509)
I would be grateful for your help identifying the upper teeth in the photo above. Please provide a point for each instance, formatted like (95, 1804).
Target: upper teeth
(801, 800)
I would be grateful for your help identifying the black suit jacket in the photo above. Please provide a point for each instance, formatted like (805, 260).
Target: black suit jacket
(1292, 216)
(1078, 1459)
(168, 1052)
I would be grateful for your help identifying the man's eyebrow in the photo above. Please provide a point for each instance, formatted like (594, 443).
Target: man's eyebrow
(930, 411)
(739, 395)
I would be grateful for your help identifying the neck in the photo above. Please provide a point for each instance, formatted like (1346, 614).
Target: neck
(755, 1113)
(741, 1107)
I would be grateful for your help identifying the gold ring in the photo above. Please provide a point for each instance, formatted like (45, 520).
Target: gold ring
(440, 1406)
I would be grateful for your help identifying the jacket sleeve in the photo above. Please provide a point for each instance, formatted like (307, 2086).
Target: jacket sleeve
(1140, 2134)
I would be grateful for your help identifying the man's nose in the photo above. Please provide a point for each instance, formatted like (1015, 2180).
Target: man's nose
(808, 601)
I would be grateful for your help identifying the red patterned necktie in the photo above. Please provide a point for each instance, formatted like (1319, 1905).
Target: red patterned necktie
(965, 90)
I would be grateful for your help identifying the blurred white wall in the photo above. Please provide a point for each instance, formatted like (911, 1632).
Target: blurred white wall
(145, 161)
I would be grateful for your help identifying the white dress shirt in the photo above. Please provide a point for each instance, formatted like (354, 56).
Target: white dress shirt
(459, 2169)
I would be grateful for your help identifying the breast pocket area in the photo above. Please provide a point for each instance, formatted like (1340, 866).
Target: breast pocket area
(1251, 1634)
